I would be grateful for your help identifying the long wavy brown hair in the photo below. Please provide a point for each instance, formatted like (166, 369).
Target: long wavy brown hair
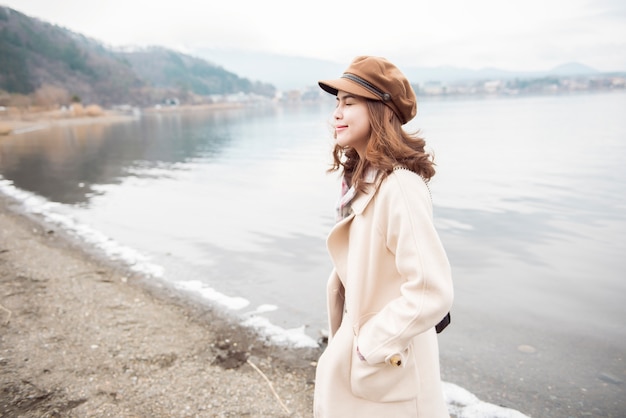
(389, 146)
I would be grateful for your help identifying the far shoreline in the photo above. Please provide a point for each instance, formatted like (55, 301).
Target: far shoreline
(16, 121)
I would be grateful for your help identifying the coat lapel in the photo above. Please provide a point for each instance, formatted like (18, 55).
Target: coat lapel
(337, 241)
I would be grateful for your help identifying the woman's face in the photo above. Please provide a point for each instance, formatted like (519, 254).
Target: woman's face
(351, 120)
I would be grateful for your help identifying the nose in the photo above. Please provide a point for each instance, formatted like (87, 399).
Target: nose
(337, 113)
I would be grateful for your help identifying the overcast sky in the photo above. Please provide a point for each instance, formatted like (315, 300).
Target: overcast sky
(514, 35)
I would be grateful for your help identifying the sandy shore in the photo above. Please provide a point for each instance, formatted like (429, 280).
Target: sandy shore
(83, 338)
(15, 122)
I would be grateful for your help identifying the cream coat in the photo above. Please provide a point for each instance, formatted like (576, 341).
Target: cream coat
(391, 284)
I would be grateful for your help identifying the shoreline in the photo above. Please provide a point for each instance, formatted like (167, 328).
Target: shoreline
(85, 338)
(16, 122)
(12, 123)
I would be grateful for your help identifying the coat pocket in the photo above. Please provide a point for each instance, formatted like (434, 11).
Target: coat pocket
(384, 382)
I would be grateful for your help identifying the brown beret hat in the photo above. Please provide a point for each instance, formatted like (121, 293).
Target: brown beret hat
(377, 79)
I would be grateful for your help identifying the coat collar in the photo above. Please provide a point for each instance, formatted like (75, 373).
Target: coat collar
(362, 199)
(372, 180)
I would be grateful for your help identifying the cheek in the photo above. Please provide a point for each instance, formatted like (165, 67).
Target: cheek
(364, 130)
(364, 123)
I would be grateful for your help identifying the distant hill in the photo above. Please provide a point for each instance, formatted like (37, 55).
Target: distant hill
(573, 68)
(34, 54)
(289, 72)
(452, 74)
(167, 69)
(285, 72)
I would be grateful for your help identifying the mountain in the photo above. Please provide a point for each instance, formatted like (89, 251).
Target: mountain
(166, 69)
(573, 68)
(36, 55)
(285, 72)
(293, 72)
(452, 74)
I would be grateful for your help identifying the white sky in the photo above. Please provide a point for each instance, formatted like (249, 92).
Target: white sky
(528, 35)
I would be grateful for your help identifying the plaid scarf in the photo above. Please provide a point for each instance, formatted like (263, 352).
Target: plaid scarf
(344, 208)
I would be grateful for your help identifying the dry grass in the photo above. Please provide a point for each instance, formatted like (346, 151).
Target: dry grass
(5, 128)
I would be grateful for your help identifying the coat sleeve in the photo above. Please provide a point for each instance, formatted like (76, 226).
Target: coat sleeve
(405, 221)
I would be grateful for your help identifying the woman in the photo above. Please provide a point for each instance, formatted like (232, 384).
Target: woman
(391, 282)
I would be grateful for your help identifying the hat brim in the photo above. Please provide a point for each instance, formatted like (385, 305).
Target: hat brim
(347, 85)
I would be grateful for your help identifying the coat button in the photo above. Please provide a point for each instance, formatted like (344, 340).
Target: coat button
(396, 360)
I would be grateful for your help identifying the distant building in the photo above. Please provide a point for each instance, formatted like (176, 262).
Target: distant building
(171, 101)
(433, 88)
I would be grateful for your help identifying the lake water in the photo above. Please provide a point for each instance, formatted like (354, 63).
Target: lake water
(234, 207)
